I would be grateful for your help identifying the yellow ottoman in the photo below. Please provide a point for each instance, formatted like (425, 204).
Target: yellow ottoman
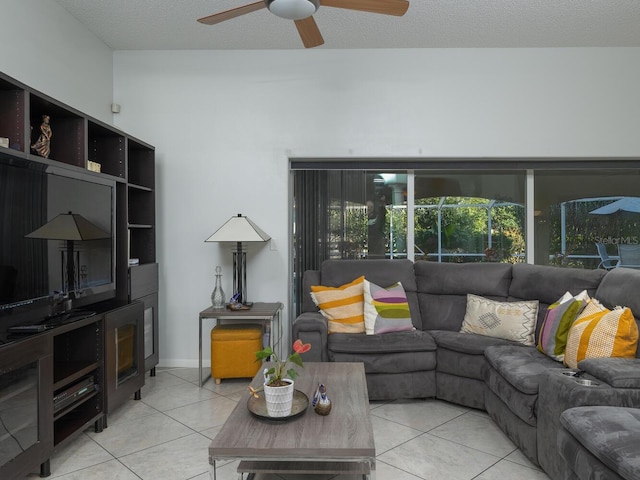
(233, 351)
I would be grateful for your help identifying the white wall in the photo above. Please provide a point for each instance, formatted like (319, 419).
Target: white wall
(47, 49)
(226, 123)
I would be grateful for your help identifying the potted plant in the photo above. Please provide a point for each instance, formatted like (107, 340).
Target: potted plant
(279, 379)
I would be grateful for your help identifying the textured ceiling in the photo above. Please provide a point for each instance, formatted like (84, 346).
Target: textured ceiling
(171, 25)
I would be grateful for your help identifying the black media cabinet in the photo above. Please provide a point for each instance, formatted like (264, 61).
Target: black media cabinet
(64, 379)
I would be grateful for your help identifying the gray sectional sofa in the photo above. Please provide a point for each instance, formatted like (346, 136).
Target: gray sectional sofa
(524, 391)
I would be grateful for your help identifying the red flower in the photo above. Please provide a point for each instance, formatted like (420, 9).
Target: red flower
(300, 347)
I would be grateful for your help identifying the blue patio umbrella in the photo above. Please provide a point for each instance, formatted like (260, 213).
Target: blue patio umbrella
(617, 208)
(625, 204)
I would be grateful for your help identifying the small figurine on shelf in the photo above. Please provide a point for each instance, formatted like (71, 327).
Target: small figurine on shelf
(321, 403)
(236, 304)
(43, 145)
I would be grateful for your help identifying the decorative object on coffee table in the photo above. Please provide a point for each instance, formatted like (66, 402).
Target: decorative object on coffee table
(258, 406)
(278, 390)
(43, 145)
(321, 402)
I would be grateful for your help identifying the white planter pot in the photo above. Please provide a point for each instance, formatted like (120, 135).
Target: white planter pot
(279, 399)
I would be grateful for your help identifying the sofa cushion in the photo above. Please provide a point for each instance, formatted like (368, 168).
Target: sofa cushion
(603, 334)
(462, 354)
(342, 306)
(486, 279)
(383, 272)
(513, 375)
(465, 342)
(547, 284)
(508, 320)
(520, 366)
(394, 353)
(620, 287)
(552, 340)
(386, 309)
(443, 289)
(413, 341)
(611, 434)
(617, 372)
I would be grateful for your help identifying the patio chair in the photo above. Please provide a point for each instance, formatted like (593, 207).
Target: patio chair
(606, 261)
(629, 256)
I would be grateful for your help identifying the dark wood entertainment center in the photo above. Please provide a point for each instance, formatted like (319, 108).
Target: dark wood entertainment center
(71, 376)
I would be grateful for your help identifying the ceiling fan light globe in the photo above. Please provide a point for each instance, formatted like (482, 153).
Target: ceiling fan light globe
(293, 9)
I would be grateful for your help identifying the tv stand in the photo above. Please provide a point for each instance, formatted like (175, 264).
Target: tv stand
(60, 351)
(51, 321)
(67, 317)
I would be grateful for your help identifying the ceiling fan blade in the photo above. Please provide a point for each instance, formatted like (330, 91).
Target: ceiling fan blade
(385, 7)
(233, 13)
(309, 32)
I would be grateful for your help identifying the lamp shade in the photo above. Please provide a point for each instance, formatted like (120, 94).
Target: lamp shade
(239, 229)
(69, 226)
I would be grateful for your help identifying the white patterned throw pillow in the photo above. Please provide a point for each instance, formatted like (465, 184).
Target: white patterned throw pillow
(514, 321)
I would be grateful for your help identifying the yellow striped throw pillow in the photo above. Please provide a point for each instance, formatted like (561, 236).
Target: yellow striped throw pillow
(601, 334)
(342, 306)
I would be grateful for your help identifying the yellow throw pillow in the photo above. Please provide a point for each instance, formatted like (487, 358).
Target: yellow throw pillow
(601, 334)
(342, 306)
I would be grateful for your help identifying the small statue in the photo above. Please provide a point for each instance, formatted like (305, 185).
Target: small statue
(43, 145)
(321, 403)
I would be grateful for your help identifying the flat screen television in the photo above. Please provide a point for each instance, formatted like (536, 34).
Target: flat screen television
(33, 271)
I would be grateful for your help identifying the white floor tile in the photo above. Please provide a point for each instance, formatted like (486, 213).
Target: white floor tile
(505, 469)
(166, 436)
(203, 415)
(421, 415)
(385, 471)
(175, 396)
(179, 459)
(477, 432)
(431, 457)
(130, 410)
(388, 434)
(111, 470)
(79, 454)
(126, 438)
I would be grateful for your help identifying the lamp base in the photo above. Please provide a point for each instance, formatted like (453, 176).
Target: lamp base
(239, 275)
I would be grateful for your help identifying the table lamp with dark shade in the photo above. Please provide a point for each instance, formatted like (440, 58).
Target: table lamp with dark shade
(239, 229)
(70, 227)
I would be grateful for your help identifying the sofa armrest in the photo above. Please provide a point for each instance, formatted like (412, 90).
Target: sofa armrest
(617, 372)
(311, 327)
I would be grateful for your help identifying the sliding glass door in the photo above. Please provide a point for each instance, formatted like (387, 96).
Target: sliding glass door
(465, 211)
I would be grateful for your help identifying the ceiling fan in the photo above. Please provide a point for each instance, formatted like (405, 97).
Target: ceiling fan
(301, 11)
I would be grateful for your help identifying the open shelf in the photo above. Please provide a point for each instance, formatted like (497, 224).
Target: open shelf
(107, 147)
(141, 164)
(67, 126)
(77, 419)
(12, 119)
(65, 373)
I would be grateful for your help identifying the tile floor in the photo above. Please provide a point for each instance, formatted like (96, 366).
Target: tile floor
(165, 436)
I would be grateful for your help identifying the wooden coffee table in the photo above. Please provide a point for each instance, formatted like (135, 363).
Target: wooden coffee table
(339, 443)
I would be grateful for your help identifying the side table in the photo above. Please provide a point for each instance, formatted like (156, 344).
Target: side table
(259, 312)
